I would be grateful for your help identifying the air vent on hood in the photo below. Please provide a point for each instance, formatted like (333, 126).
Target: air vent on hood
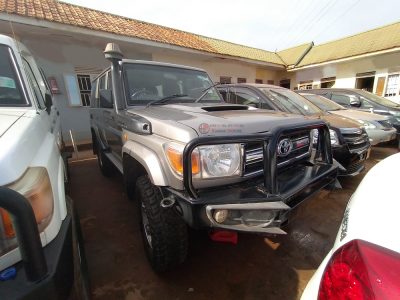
(225, 107)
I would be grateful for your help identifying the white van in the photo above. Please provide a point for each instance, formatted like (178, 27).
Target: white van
(39, 248)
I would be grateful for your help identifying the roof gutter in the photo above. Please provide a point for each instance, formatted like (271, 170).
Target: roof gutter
(107, 35)
(386, 51)
(304, 53)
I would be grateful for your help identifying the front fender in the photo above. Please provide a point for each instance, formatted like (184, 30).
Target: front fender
(148, 159)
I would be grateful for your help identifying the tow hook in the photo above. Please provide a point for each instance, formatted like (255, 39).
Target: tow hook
(167, 202)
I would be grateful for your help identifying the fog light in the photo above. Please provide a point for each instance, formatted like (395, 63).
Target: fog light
(220, 215)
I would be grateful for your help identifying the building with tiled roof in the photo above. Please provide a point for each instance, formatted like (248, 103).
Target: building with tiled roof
(386, 38)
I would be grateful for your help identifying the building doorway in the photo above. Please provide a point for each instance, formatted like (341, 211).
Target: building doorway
(365, 81)
(285, 83)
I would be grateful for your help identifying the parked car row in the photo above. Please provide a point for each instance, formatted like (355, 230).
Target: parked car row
(349, 140)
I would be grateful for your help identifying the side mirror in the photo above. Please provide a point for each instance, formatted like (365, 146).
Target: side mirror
(105, 99)
(355, 102)
(48, 102)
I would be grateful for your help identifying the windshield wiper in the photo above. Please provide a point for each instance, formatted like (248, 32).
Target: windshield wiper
(165, 99)
(205, 91)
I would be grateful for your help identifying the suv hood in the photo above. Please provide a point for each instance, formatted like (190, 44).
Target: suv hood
(7, 119)
(221, 119)
(359, 115)
(340, 121)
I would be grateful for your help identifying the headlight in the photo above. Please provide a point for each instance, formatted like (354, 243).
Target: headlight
(35, 186)
(220, 160)
(211, 161)
(332, 133)
(367, 125)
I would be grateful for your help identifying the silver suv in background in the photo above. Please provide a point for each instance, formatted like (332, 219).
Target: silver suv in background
(378, 127)
(190, 159)
(365, 101)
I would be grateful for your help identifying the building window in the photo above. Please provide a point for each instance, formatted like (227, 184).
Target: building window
(305, 85)
(259, 81)
(85, 88)
(328, 82)
(270, 82)
(393, 85)
(365, 81)
(241, 80)
(225, 80)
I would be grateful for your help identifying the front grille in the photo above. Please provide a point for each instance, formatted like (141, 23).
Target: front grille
(385, 124)
(254, 153)
(355, 140)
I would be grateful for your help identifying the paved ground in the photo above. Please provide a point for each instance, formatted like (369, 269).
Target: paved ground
(256, 268)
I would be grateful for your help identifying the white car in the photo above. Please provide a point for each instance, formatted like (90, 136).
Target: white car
(40, 247)
(364, 262)
(378, 128)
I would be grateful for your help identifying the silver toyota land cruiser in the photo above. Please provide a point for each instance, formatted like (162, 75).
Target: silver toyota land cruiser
(190, 159)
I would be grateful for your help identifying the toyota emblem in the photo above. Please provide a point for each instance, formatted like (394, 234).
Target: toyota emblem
(284, 147)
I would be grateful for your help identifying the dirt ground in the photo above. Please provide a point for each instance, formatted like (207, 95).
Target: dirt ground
(256, 268)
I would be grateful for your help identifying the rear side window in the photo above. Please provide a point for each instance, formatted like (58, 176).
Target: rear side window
(243, 96)
(10, 87)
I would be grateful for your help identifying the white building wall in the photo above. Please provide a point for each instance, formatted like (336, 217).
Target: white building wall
(217, 67)
(345, 72)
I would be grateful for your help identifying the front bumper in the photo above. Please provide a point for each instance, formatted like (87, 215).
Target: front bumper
(53, 273)
(295, 185)
(352, 161)
(377, 136)
(260, 204)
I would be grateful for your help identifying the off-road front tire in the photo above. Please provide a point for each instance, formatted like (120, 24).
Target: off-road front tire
(105, 165)
(165, 234)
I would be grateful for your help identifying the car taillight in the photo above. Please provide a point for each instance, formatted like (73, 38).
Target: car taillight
(35, 186)
(361, 270)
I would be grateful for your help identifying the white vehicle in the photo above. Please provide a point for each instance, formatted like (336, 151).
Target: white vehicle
(378, 127)
(37, 228)
(364, 262)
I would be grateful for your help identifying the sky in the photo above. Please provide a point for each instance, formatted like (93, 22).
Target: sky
(270, 24)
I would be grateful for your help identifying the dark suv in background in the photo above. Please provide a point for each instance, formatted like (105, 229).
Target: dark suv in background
(350, 142)
(363, 100)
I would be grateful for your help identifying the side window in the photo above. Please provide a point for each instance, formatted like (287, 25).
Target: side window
(94, 101)
(104, 83)
(243, 96)
(33, 81)
(224, 94)
(341, 99)
(365, 103)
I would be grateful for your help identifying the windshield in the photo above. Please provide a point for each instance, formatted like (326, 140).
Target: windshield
(10, 88)
(323, 103)
(146, 83)
(378, 99)
(290, 101)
